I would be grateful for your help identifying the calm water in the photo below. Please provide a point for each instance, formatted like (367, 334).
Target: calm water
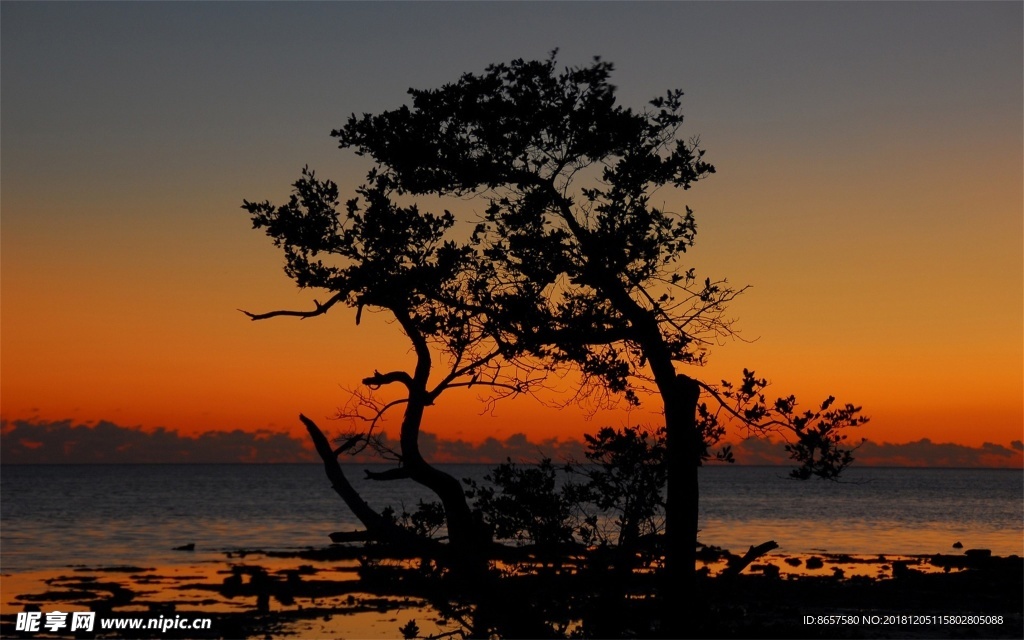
(54, 516)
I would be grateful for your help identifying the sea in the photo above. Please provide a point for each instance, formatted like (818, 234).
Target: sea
(57, 516)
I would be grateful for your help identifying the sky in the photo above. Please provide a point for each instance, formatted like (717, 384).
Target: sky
(869, 189)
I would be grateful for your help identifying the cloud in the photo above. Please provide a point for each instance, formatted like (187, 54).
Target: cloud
(922, 453)
(62, 442)
(490, 451)
(35, 441)
(925, 453)
(493, 451)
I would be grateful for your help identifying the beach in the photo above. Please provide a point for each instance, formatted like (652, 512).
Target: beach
(343, 592)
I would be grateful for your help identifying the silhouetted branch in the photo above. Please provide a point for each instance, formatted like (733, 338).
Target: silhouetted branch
(348, 444)
(379, 379)
(377, 527)
(458, 372)
(320, 310)
(370, 518)
(362, 406)
(724, 404)
(817, 444)
(513, 388)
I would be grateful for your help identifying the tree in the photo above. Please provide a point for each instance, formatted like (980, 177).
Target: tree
(526, 503)
(379, 255)
(578, 265)
(626, 476)
(570, 264)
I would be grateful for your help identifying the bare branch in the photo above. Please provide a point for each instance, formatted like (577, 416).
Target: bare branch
(458, 372)
(379, 379)
(320, 310)
(373, 414)
(373, 520)
(514, 388)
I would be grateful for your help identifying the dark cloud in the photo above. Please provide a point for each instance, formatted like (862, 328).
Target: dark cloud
(922, 453)
(33, 442)
(490, 451)
(925, 453)
(61, 442)
(760, 451)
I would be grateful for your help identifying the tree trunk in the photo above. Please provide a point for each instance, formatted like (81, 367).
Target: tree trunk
(466, 540)
(683, 448)
(683, 444)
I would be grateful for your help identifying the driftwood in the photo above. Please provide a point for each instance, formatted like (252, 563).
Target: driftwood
(738, 564)
(351, 536)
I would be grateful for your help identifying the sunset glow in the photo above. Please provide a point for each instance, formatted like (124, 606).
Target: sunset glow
(868, 188)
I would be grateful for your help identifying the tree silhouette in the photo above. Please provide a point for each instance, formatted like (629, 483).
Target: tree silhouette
(570, 263)
(378, 255)
(580, 267)
(623, 476)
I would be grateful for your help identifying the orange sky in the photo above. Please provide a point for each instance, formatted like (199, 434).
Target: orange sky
(871, 195)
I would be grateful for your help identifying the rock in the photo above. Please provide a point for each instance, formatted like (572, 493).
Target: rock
(978, 553)
(958, 545)
(769, 570)
(814, 562)
(901, 569)
(185, 547)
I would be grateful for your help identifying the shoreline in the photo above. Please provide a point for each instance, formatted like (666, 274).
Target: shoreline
(319, 593)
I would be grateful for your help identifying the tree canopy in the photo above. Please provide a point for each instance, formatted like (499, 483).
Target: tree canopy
(578, 263)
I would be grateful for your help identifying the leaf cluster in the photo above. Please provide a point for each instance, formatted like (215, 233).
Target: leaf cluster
(816, 439)
(372, 251)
